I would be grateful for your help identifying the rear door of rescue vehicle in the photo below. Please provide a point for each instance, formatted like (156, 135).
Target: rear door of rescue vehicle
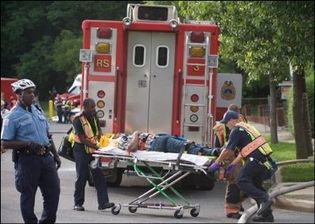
(150, 81)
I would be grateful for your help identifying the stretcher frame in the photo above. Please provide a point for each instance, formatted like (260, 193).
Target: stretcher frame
(181, 170)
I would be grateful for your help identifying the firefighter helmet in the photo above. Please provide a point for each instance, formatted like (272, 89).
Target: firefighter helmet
(22, 85)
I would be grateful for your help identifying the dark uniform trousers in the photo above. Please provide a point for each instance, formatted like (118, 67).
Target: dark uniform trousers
(250, 180)
(233, 195)
(33, 171)
(82, 160)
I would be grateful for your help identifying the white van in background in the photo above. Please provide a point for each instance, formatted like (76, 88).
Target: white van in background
(74, 91)
(76, 85)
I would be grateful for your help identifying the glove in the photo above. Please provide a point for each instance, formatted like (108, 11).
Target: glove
(35, 148)
(57, 161)
(213, 167)
(229, 170)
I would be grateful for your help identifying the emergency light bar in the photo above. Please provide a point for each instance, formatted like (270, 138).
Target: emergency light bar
(152, 13)
(140, 13)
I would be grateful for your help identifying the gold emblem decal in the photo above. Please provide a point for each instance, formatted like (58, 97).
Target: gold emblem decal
(228, 90)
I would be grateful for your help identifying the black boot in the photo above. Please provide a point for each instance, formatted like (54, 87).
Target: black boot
(264, 206)
(266, 216)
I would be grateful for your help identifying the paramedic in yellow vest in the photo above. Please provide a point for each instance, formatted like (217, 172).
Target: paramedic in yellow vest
(258, 163)
(233, 196)
(67, 110)
(221, 133)
(87, 132)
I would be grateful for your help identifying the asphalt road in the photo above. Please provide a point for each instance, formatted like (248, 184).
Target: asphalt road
(211, 202)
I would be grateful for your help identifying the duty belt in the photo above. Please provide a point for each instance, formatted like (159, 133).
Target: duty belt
(265, 163)
(45, 148)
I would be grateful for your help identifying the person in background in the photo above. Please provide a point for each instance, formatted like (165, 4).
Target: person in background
(87, 133)
(235, 108)
(25, 131)
(221, 133)
(6, 105)
(4, 110)
(258, 166)
(58, 106)
(4, 113)
(67, 110)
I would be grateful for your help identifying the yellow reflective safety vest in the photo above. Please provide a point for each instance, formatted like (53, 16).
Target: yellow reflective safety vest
(93, 138)
(68, 105)
(220, 132)
(258, 141)
(71, 138)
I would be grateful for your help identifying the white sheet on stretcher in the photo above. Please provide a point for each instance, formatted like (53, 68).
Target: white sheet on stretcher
(156, 156)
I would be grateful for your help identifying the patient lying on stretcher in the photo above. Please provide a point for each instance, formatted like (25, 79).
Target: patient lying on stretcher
(160, 142)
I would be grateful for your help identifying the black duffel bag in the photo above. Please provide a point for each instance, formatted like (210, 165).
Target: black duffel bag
(65, 149)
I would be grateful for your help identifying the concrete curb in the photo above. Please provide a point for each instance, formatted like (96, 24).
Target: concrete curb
(294, 204)
(300, 200)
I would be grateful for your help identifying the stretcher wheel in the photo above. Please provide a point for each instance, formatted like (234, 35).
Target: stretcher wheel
(116, 209)
(178, 214)
(194, 212)
(132, 209)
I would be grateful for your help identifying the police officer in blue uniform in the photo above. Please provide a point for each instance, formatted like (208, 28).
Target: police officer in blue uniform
(25, 131)
(258, 163)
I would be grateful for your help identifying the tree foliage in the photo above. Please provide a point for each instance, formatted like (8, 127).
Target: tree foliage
(66, 46)
(41, 39)
(264, 38)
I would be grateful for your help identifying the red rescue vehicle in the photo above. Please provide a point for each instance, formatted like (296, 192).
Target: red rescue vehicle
(152, 73)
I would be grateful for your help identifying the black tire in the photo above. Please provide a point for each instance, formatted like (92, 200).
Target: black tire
(115, 210)
(202, 182)
(177, 214)
(132, 209)
(114, 177)
(194, 213)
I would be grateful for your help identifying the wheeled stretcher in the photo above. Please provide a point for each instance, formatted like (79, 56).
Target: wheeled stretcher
(175, 166)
